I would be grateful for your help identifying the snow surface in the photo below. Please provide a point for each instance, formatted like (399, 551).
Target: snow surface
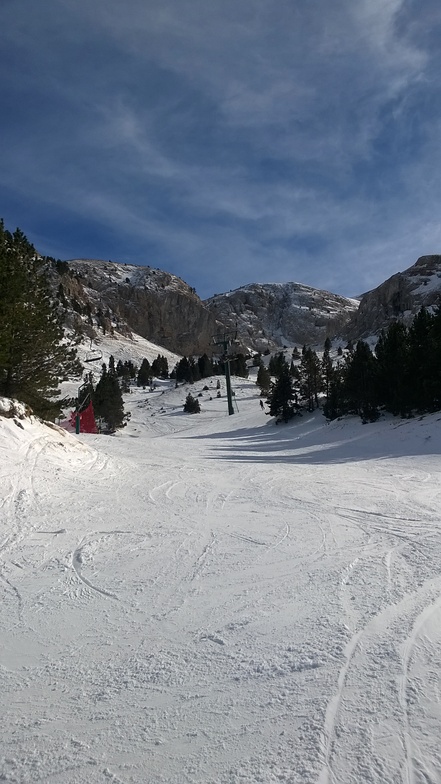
(214, 599)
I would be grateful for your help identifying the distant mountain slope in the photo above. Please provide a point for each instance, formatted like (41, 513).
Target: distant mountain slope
(270, 315)
(156, 305)
(399, 297)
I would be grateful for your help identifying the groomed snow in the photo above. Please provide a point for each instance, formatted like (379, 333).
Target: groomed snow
(217, 600)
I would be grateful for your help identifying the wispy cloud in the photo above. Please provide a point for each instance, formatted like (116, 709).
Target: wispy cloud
(230, 141)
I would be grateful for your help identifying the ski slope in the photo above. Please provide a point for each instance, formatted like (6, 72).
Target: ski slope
(217, 600)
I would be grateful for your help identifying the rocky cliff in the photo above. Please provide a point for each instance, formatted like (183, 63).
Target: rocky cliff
(152, 303)
(271, 315)
(399, 297)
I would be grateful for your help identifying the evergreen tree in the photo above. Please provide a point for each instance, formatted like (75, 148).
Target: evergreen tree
(194, 368)
(392, 352)
(160, 367)
(335, 405)
(184, 372)
(205, 365)
(420, 352)
(360, 384)
(327, 367)
(263, 379)
(108, 402)
(34, 356)
(435, 360)
(310, 378)
(144, 374)
(239, 366)
(191, 405)
(277, 363)
(282, 397)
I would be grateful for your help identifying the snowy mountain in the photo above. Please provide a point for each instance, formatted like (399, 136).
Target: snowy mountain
(162, 308)
(154, 304)
(270, 315)
(399, 297)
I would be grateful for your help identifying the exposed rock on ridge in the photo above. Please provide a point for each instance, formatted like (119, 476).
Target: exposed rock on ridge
(398, 298)
(156, 305)
(271, 315)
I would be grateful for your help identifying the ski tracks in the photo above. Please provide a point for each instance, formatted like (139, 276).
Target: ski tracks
(373, 697)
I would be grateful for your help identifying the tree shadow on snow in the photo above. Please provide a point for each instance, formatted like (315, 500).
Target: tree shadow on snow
(317, 442)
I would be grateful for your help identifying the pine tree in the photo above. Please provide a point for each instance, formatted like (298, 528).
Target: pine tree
(34, 356)
(263, 379)
(205, 365)
(239, 366)
(420, 350)
(310, 378)
(191, 405)
(108, 401)
(361, 383)
(184, 372)
(144, 373)
(282, 397)
(327, 367)
(160, 367)
(392, 352)
(276, 363)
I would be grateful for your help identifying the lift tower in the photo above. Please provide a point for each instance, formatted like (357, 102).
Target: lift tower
(226, 340)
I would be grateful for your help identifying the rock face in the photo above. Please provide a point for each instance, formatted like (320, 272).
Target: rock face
(271, 315)
(154, 304)
(398, 298)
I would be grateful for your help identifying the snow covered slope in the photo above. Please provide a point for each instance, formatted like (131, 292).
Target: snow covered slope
(214, 600)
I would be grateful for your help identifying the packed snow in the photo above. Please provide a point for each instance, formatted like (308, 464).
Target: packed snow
(216, 600)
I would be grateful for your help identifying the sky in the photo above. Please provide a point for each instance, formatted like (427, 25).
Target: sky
(226, 142)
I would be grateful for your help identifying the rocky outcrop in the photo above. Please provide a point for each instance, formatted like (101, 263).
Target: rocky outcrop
(398, 298)
(272, 315)
(152, 303)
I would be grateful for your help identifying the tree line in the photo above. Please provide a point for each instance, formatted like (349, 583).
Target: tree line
(402, 375)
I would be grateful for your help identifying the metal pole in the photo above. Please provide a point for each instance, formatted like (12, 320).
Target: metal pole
(228, 383)
(225, 341)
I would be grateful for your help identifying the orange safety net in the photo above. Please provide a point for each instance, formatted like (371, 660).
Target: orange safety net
(87, 420)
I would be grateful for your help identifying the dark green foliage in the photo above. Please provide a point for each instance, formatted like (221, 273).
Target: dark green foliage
(310, 378)
(263, 379)
(194, 367)
(335, 405)
(393, 380)
(361, 383)
(34, 356)
(160, 367)
(144, 373)
(238, 366)
(62, 267)
(327, 368)
(108, 401)
(276, 364)
(191, 405)
(205, 365)
(183, 371)
(282, 400)
(403, 376)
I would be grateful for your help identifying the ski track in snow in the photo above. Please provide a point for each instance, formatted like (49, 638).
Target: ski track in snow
(212, 600)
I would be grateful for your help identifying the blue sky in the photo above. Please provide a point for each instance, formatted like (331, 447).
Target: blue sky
(226, 141)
